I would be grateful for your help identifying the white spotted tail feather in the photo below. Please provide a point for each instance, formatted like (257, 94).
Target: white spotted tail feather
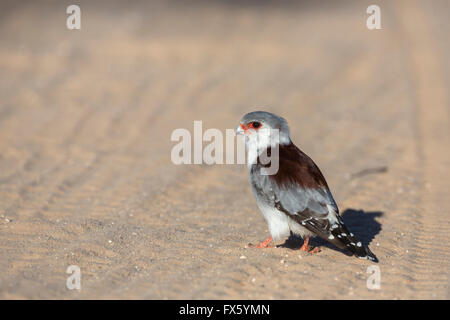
(346, 239)
(330, 227)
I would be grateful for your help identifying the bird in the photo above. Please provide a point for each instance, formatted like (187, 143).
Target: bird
(294, 198)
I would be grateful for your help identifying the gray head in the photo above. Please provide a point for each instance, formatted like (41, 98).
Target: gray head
(252, 123)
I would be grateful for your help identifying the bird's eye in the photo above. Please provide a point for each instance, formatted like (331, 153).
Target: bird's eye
(256, 124)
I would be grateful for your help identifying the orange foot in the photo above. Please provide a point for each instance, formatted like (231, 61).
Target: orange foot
(305, 246)
(264, 244)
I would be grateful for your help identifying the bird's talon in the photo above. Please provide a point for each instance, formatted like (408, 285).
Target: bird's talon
(263, 244)
(315, 250)
(305, 247)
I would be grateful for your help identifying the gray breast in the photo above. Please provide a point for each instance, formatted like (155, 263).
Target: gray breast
(262, 187)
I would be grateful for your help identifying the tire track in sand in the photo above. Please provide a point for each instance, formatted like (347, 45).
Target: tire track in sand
(431, 224)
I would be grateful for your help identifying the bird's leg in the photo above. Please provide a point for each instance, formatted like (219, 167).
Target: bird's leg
(305, 246)
(263, 244)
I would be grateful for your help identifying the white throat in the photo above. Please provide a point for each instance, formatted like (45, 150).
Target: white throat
(258, 142)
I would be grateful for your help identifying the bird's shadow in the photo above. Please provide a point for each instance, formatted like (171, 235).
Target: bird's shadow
(361, 223)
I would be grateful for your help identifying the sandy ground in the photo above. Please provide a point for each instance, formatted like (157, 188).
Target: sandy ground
(85, 122)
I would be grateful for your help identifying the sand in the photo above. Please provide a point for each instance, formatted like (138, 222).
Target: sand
(86, 176)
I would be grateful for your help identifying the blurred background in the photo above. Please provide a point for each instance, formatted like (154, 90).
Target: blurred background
(86, 117)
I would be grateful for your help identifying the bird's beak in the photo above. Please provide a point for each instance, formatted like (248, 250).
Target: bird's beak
(239, 130)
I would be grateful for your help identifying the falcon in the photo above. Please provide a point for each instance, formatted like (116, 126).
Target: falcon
(295, 198)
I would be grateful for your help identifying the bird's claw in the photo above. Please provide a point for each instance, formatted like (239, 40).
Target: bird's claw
(313, 250)
(263, 244)
(305, 247)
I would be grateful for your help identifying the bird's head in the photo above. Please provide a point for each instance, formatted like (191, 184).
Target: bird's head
(263, 129)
